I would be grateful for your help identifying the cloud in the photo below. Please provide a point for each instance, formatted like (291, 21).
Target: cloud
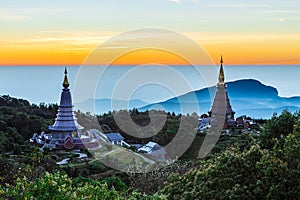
(282, 11)
(238, 5)
(77, 49)
(179, 1)
(29, 13)
(175, 1)
(79, 41)
(70, 37)
(221, 38)
(8, 17)
(282, 19)
(25, 14)
(116, 47)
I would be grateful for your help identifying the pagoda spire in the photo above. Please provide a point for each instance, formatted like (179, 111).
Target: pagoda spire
(221, 109)
(221, 74)
(65, 123)
(66, 83)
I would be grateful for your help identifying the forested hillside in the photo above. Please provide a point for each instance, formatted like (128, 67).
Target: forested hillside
(19, 120)
(239, 167)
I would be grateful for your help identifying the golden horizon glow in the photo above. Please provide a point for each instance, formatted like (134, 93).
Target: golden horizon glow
(150, 56)
(63, 33)
(237, 49)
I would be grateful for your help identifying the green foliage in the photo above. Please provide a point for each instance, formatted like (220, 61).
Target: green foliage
(243, 141)
(238, 167)
(162, 137)
(152, 181)
(280, 169)
(83, 180)
(221, 177)
(32, 166)
(234, 174)
(58, 186)
(277, 128)
(87, 120)
(135, 195)
(193, 151)
(97, 165)
(114, 182)
(19, 120)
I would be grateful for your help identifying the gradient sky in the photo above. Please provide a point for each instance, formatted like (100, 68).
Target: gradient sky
(52, 32)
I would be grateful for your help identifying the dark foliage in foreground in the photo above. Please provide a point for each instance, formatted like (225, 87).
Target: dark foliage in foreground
(254, 173)
(239, 167)
(19, 120)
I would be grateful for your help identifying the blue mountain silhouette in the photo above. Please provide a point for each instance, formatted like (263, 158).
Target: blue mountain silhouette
(247, 97)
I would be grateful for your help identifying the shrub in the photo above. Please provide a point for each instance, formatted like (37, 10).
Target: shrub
(57, 186)
(233, 174)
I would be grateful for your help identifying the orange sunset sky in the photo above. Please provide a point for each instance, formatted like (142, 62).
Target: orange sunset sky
(60, 33)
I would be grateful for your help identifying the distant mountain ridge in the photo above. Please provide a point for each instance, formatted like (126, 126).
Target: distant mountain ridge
(247, 97)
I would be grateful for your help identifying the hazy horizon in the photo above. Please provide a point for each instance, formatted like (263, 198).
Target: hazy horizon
(43, 84)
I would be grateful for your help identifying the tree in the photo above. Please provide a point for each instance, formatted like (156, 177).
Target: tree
(58, 186)
(255, 173)
(277, 128)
